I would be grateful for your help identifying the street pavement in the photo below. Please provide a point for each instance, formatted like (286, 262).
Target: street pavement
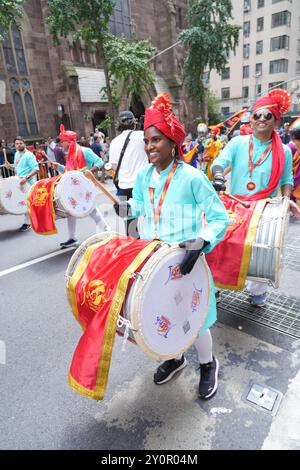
(38, 336)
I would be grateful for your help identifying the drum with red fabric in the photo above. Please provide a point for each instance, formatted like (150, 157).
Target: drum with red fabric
(163, 311)
(253, 245)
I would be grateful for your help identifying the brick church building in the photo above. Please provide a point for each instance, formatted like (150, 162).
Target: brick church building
(42, 86)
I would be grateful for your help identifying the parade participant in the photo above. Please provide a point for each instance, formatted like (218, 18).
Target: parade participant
(41, 158)
(260, 165)
(127, 156)
(295, 148)
(212, 147)
(78, 158)
(171, 196)
(26, 167)
(98, 150)
(190, 151)
(202, 132)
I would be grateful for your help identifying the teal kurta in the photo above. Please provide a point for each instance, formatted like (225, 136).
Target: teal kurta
(90, 157)
(189, 195)
(24, 163)
(236, 155)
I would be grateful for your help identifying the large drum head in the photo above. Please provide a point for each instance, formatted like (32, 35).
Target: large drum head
(13, 197)
(75, 194)
(166, 309)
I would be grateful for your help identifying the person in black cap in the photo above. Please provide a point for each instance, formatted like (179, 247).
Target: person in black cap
(127, 156)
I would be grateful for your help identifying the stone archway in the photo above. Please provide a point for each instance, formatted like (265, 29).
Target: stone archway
(137, 106)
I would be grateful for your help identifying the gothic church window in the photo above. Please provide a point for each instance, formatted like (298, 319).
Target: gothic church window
(20, 87)
(120, 22)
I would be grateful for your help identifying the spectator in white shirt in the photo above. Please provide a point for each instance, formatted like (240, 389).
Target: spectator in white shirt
(133, 160)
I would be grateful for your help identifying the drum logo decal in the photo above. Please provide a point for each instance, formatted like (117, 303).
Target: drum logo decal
(174, 273)
(75, 181)
(88, 196)
(196, 299)
(40, 197)
(95, 294)
(22, 203)
(164, 325)
(236, 220)
(73, 202)
(8, 195)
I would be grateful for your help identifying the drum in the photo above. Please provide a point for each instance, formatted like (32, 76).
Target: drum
(74, 195)
(163, 311)
(268, 248)
(13, 196)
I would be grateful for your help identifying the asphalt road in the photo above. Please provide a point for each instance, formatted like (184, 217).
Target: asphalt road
(38, 336)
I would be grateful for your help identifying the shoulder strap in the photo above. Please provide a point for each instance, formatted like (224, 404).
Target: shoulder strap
(122, 155)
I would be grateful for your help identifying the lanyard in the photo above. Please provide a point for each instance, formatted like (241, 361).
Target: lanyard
(157, 211)
(252, 165)
(251, 185)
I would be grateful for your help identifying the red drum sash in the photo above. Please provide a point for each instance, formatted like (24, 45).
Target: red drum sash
(229, 260)
(41, 207)
(97, 291)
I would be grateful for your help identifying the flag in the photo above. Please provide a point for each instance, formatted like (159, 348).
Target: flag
(96, 291)
(229, 260)
(41, 206)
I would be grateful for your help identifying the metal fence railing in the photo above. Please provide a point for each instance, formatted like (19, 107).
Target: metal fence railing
(45, 171)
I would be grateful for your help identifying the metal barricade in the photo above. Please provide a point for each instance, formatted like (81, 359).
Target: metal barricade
(45, 171)
(6, 172)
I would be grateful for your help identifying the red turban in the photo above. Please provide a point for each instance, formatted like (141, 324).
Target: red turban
(64, 135)
(278, 101)
(215, 130)
(161, 116)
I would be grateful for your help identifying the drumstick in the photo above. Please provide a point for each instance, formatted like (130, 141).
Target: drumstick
(91, 177)
(245, 204)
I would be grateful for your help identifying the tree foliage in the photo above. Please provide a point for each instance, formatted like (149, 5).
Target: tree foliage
(209, 39)
(81, 20)
(128, 63)
(214, 116)
(125, 63)
(10, 13)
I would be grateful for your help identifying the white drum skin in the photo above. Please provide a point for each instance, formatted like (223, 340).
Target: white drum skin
(13, 196)
(74, 195)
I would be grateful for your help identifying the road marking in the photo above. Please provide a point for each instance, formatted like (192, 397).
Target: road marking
(34, 261)
(2, 352)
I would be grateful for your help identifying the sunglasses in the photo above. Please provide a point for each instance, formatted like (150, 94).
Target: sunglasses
(266, 114)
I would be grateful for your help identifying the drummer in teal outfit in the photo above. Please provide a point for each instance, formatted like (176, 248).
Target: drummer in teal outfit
(173, 198)
(260, 166)
(26, 168)
(231, 156)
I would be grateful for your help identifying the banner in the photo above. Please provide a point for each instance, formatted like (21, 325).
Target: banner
(41, 207)
(231, 122)
(229, 260)
(97, 291)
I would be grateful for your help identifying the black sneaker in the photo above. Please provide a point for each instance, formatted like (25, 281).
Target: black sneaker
(25, 228)
(69, 243)
(167, 369)
(208, 379)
